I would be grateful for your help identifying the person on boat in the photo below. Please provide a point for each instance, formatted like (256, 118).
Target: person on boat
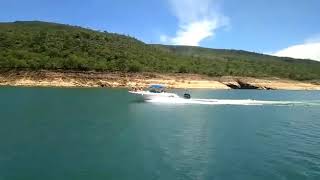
(134, 89)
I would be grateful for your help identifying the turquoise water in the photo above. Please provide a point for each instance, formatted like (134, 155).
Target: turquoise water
(86, 134)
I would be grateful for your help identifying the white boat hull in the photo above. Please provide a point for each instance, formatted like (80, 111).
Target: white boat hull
(146, 95)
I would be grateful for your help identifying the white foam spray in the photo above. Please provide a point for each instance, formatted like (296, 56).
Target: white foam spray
(244, 102)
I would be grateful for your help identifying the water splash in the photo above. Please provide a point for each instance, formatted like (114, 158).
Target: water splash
(244, 102)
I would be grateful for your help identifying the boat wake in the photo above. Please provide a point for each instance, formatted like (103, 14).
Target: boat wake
(244, 102)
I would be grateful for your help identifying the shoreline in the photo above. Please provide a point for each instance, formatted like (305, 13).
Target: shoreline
(142, 80)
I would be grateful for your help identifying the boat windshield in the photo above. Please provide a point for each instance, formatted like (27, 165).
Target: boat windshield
(157, 88)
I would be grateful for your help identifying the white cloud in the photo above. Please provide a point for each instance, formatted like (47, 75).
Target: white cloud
(308, 50)
(193, 33)
(313, 39)
(198, 20)
(164, 38)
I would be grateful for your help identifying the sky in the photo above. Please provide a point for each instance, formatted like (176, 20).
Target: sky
(278, 27)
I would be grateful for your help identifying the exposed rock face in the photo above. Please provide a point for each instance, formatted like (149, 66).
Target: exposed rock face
(268, 84)
(244, 85)
(103, 84)
(143, 80)
(239, 84)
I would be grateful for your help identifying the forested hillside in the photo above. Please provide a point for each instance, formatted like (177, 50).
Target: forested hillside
(40, 45)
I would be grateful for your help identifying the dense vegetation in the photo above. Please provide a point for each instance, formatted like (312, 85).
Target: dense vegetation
(39, 45)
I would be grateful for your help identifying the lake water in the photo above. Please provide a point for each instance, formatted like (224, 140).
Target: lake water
(48, 133)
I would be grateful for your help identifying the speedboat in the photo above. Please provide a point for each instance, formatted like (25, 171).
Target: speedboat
(155, 91)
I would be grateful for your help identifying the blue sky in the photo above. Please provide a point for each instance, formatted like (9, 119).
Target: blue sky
(279, 27)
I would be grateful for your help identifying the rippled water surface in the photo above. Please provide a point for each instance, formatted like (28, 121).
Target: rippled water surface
(106, 134)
